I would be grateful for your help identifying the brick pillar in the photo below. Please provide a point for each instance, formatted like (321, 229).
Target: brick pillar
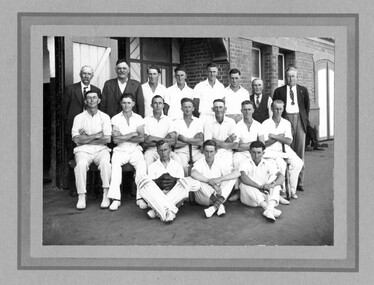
(270, 72)
(240, 54)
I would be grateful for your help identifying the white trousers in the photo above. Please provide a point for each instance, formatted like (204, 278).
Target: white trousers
(294, 168)
(253, 197)
(83, 161)
(120, 158)
(184, 157)
(202, 197)
(161, 202)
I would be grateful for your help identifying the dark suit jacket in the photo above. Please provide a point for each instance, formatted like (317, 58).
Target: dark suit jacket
(73, 104)
(110, 101)
(302, 99)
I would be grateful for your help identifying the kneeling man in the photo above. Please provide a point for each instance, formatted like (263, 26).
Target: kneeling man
(217, 179)
(165, 185)
(260, 181)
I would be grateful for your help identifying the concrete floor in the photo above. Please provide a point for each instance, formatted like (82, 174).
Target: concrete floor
(306, 221)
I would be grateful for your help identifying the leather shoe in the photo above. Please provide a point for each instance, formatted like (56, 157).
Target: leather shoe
(269, 214)
(317, 148)
(300, 188)
(283, 201)
(294, 196)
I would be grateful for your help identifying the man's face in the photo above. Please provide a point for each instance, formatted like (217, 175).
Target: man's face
(153, 76)
(212, 73)
(256, 154)
(291, 77)
(157, 105)
(127, 104)
(209, 153)
(257, 86)
(122, 70)
(86, 75)
(180, 77)
(234, 79)
(92, 100)
(277, 110)
(219, 109)
(187, 108)
(247, 110)
(164, 151)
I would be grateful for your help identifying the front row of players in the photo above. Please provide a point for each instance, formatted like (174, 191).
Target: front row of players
(161, 175)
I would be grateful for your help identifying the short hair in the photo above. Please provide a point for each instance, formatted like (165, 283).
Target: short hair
(127, 95)
(291, 68)
(211, 65)
(248, 102)
(180, 68)
(120, 60)
(253, 81)
(91, 91)
(257, 144)
(210, 142)
(185, 99)
(157, 96)
(219, 100)
(277, 102)
(86, 66)
(160, 143)
(153, 67)
(234, 71)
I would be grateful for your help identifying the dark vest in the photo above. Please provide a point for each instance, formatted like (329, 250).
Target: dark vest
(261, 113)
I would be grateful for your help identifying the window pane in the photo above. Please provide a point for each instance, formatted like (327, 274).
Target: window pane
(255, 63)
(135, 71)
(156, 49)
(280, 67)
(134, 48)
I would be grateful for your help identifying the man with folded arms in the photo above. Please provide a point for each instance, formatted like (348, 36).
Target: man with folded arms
(260, 182)
(216, 180)
(165, 185)
(91, 132)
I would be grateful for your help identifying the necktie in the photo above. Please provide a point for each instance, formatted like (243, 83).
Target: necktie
(257, 101)
(84, 90)
(292, 97)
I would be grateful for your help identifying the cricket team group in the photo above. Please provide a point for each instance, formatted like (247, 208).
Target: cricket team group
(218, 143)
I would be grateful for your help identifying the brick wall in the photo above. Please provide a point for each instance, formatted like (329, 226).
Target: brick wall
(240, 54)
(305, 72)
(270, 69)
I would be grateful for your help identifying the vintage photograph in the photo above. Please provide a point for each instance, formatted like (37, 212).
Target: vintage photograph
(188, 141)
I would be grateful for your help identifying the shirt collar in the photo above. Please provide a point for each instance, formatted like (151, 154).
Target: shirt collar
(88, 86)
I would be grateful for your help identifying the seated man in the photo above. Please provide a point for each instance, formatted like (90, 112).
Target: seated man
(216, 178)
(157, 127)
(165, 185)
(91, 132)
(189, 130)
(128, 132)
(260, 182)
(278, 138)
(221, 129)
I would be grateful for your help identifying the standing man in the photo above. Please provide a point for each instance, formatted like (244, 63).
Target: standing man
(74, 104)
(165, 185)
(127, 132)
(174, 94)
(278, 138)
(207, 91)
(260, 182)
(262, 102)
(221, 129)
(152, 88)
(216, 180)
(297, 105)
(189, 131)
(114, 88)
(235, 94)
(91, 132)
(157, 127)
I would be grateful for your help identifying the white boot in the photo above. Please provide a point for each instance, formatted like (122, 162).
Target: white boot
(105, 203)
(81, 205)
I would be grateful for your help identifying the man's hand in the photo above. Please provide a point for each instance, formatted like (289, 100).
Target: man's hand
(214, 181)
(82, 132)
(231, 138)
(218, 189)
(116, 133)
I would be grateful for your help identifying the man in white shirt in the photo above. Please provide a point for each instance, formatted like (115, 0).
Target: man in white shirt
(207, 91)
(127, 132)
(221, 129)
(175, 93)
(189, 131)
(216, 180)
(152, 88)
(278, 138)
(260, 182)
(235, 95)
(165, 185)
(157, 127)
(91, 132)
(262, 102)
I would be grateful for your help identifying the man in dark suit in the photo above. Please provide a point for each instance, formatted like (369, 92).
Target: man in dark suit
(114, 88)
(73, 104)
(297, 105)
(262, 102)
